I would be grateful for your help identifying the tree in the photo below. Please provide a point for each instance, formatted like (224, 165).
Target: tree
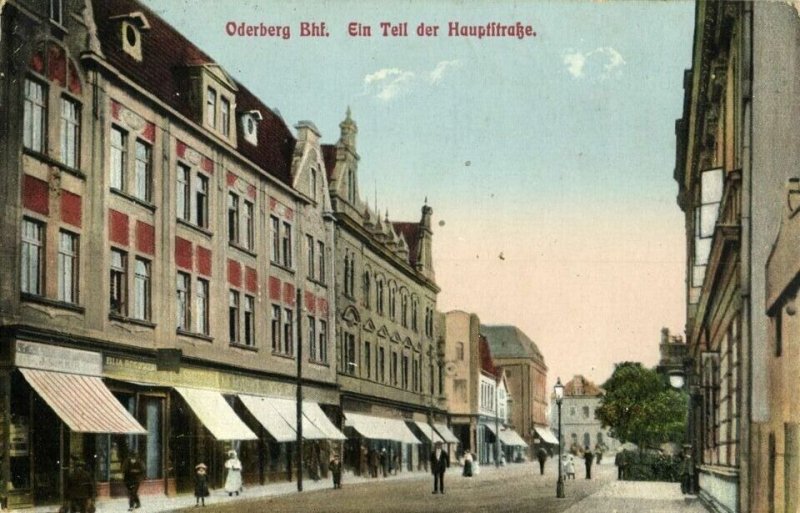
(640, 407)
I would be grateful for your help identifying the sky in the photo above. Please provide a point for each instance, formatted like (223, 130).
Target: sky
(547, 160)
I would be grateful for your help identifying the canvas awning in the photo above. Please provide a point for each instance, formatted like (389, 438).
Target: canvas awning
(445, 433)
(511, 437)
(216, 414)
(287, 408)
(316, 416)
(546, 435)
(380, 428)
(84, 403)
(266, 415)
(428, 431)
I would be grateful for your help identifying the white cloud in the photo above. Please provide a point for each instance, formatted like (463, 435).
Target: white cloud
(438, 72)
(387, 83)
(602, 62)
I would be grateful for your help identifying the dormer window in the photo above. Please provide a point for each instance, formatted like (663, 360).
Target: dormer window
(131, 26)
(211, 107)
(225, 117)
(249, 126)
(57, 12)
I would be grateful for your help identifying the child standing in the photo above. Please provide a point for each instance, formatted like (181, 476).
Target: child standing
(569, 467)
(200, 484)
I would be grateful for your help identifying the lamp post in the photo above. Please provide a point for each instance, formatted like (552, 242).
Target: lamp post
(559, 391)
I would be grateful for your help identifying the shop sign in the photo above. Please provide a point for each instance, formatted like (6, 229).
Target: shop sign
(56, 358)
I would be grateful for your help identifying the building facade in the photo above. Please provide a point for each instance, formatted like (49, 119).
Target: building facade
(580, 428)
(387, 343)
(526, 375)
(203, 216)
(736, 149)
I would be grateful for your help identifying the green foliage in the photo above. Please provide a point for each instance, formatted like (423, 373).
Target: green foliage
(651, 466)
(639, 406)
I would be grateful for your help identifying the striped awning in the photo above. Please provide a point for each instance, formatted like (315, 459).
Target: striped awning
(512, 438)
(445, 433)
(216, 414)
(84, 403)
(428, 431)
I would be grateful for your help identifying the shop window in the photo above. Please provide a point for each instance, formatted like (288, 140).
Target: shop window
(32, 253)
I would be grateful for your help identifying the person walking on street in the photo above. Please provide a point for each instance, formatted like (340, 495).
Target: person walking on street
(467, 464)
(620, 460)
(569, 467)
(233, 478)
(541, 455)
(598, 451)
(132, 474)
(439, 463)
(383, 461)
(80, 489)
(588, 457)
(200, 485)
(335, 467)
(687, 473)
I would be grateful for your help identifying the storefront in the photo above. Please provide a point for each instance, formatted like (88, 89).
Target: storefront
(513, 445)
(368, 434)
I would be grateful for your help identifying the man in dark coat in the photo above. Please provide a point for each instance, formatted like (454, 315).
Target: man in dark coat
(588, 457)
(80, 488)
(541, 455)
(439, 463)
(620, 460)
(133, 473)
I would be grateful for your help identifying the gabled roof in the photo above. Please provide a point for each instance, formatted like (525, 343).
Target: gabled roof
(410, 232)
(329, 157)
(166, 54)
(485, 354)
(580, 386)
(508, 341)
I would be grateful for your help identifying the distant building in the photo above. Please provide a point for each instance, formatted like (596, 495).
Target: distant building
(673, 353)
(579, 426)
(526, 373)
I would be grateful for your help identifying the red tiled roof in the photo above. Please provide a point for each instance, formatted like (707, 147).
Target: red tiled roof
(165, 53)
(329, 156)
(410, 232)
(581, 386)
(485, 355)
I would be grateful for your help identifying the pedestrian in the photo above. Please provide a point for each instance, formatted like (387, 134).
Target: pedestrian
(598, 451)
(335, 467)
(687, 473)
(132, 474)
(569, 467)
(363, 461)
(439, 463)
(383, 460)
(467, 464)
(200, 484)
(233, 478)
(541, 455)
(588, 458)
(80, 489)
(621, 460)
(373, 463)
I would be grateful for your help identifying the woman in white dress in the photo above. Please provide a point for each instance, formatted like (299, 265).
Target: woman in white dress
(233, 477)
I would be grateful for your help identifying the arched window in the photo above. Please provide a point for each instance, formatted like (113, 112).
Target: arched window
(367, 289)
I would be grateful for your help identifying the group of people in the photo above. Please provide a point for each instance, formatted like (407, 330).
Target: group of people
(233, 479)
(568, 463)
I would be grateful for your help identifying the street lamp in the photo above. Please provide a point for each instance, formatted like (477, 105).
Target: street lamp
(559, 391)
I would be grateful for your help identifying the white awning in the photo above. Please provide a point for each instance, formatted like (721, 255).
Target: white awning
(546, 435)
(380, 428)
(216, 414)
(445, 433)
(84, 403)
(428, 431)
(316, 416)
(287, 408)
(490, 427)
(268, 417)
(511, 437)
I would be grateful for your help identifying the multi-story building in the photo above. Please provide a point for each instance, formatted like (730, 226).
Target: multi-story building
(389, 365)
(580, 428)
(526, 374)
(737, 144)
(672, 358)
(167, 258)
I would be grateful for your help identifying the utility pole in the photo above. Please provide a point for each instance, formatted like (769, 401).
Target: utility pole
(299, 339)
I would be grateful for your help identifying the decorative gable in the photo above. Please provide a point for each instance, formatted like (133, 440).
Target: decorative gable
(369, 326)
(248, 124)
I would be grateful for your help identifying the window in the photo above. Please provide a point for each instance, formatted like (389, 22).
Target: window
(275, 326)
(379, 293)
(323, 341)
(201, 202)
(32, 251)
(349, 353)
(233, 316)
(312, 184)
(70, 132)
(381, 370)
(184, 294)
(249, 226)
(275, 247)
(142, 172)
(201, 307)
(392, 302)
(310, 260)
(118, 158)
(778, 321)
(460, 351)
(351, 186)
(233, 218)
(367, 289)
(415, 375)
(393, 370)
(183, 193)
(225, 116)
(347, 269)
(431, 380)
(211, 107)
(249, 321)
(67, 267)
(312, 338)
(404, 311)
(321, 261)
(141, 290)
(34, 116)
(119, 281)
(414, 305)
(288, 331)
(586, 412)
(56, 12)
(405, 371)
(367, 359)
(287, 244)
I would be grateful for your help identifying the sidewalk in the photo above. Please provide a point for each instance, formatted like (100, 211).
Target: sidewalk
(639, 497)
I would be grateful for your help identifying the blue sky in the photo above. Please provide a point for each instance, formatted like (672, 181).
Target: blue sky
(557, 151)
